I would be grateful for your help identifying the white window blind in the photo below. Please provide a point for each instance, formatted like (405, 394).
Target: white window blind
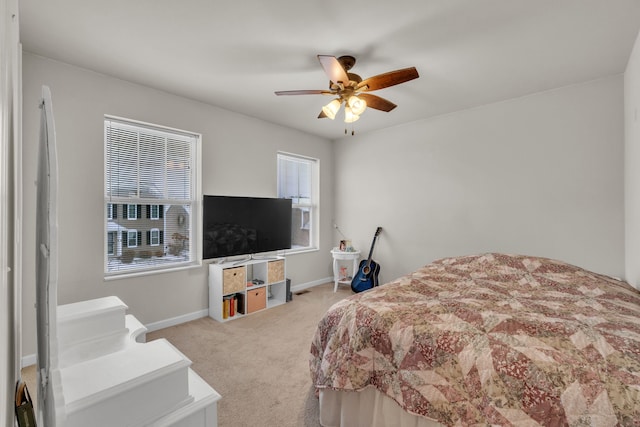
(150, 194)
(296, 176)
(295, 179)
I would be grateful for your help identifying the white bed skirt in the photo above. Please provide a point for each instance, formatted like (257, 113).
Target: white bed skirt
(366, 408)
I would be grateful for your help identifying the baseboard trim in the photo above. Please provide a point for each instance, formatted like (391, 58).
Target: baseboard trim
(30, 359)
(298, 288)
(155, 326)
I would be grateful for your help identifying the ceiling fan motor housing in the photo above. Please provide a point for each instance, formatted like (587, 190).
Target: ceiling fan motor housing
(347, 62)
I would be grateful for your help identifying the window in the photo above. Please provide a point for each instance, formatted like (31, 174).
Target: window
(154, 237)
(154, 211)
(112, 238)
(297, 180)
(132, 211)
(132, 238)
(151, 197)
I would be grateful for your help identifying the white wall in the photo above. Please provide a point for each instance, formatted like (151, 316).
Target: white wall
(632, 166)
(238, 158)
(538, 175)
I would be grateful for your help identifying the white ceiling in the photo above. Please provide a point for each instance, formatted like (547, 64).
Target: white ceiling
(235, 54)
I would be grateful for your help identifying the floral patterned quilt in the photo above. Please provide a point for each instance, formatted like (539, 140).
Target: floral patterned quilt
(491, 339)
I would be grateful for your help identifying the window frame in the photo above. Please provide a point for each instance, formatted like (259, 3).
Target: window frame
(113, 242)
(193, 259)
(151, 233)
(313, 205)
(132, 215)
(156, 208)
(133, 233)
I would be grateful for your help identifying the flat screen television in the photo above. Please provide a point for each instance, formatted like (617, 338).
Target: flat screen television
(233, 225)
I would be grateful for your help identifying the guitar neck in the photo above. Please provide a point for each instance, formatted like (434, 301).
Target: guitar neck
(373, 243)
(371, 251)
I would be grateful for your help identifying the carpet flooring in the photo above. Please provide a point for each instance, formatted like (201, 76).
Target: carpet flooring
(260, 362)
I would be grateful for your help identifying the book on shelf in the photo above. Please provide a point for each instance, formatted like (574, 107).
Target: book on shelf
(230, 306)
(225, 307)
(240, 302)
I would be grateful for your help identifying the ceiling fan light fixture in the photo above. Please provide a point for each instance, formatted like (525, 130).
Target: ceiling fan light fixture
(331, 108)
(357, 105)
(349, 116)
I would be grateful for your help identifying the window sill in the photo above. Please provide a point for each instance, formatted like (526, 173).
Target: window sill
(300, 251)
(133, 274)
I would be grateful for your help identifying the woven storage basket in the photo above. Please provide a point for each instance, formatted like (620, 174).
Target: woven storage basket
(275, 271)
(234, 280)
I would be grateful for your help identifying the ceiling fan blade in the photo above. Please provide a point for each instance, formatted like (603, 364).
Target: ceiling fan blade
(322, 115)
(377, 103)
(333, 69)
(303, 92)
(391, 78)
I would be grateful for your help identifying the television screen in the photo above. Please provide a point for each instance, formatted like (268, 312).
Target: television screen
(244, 225)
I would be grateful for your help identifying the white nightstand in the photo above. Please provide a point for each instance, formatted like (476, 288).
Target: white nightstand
(341, 259)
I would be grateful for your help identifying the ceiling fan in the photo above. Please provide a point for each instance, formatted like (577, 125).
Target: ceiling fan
(350, 89)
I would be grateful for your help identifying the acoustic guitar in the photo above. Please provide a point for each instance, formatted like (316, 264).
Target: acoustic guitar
(367, 276)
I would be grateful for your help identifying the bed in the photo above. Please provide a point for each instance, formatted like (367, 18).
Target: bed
(494, 339)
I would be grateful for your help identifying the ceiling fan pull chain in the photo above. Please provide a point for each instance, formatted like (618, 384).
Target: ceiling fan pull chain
(353, 132)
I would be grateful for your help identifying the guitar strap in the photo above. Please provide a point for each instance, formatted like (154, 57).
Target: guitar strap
(24, 406)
